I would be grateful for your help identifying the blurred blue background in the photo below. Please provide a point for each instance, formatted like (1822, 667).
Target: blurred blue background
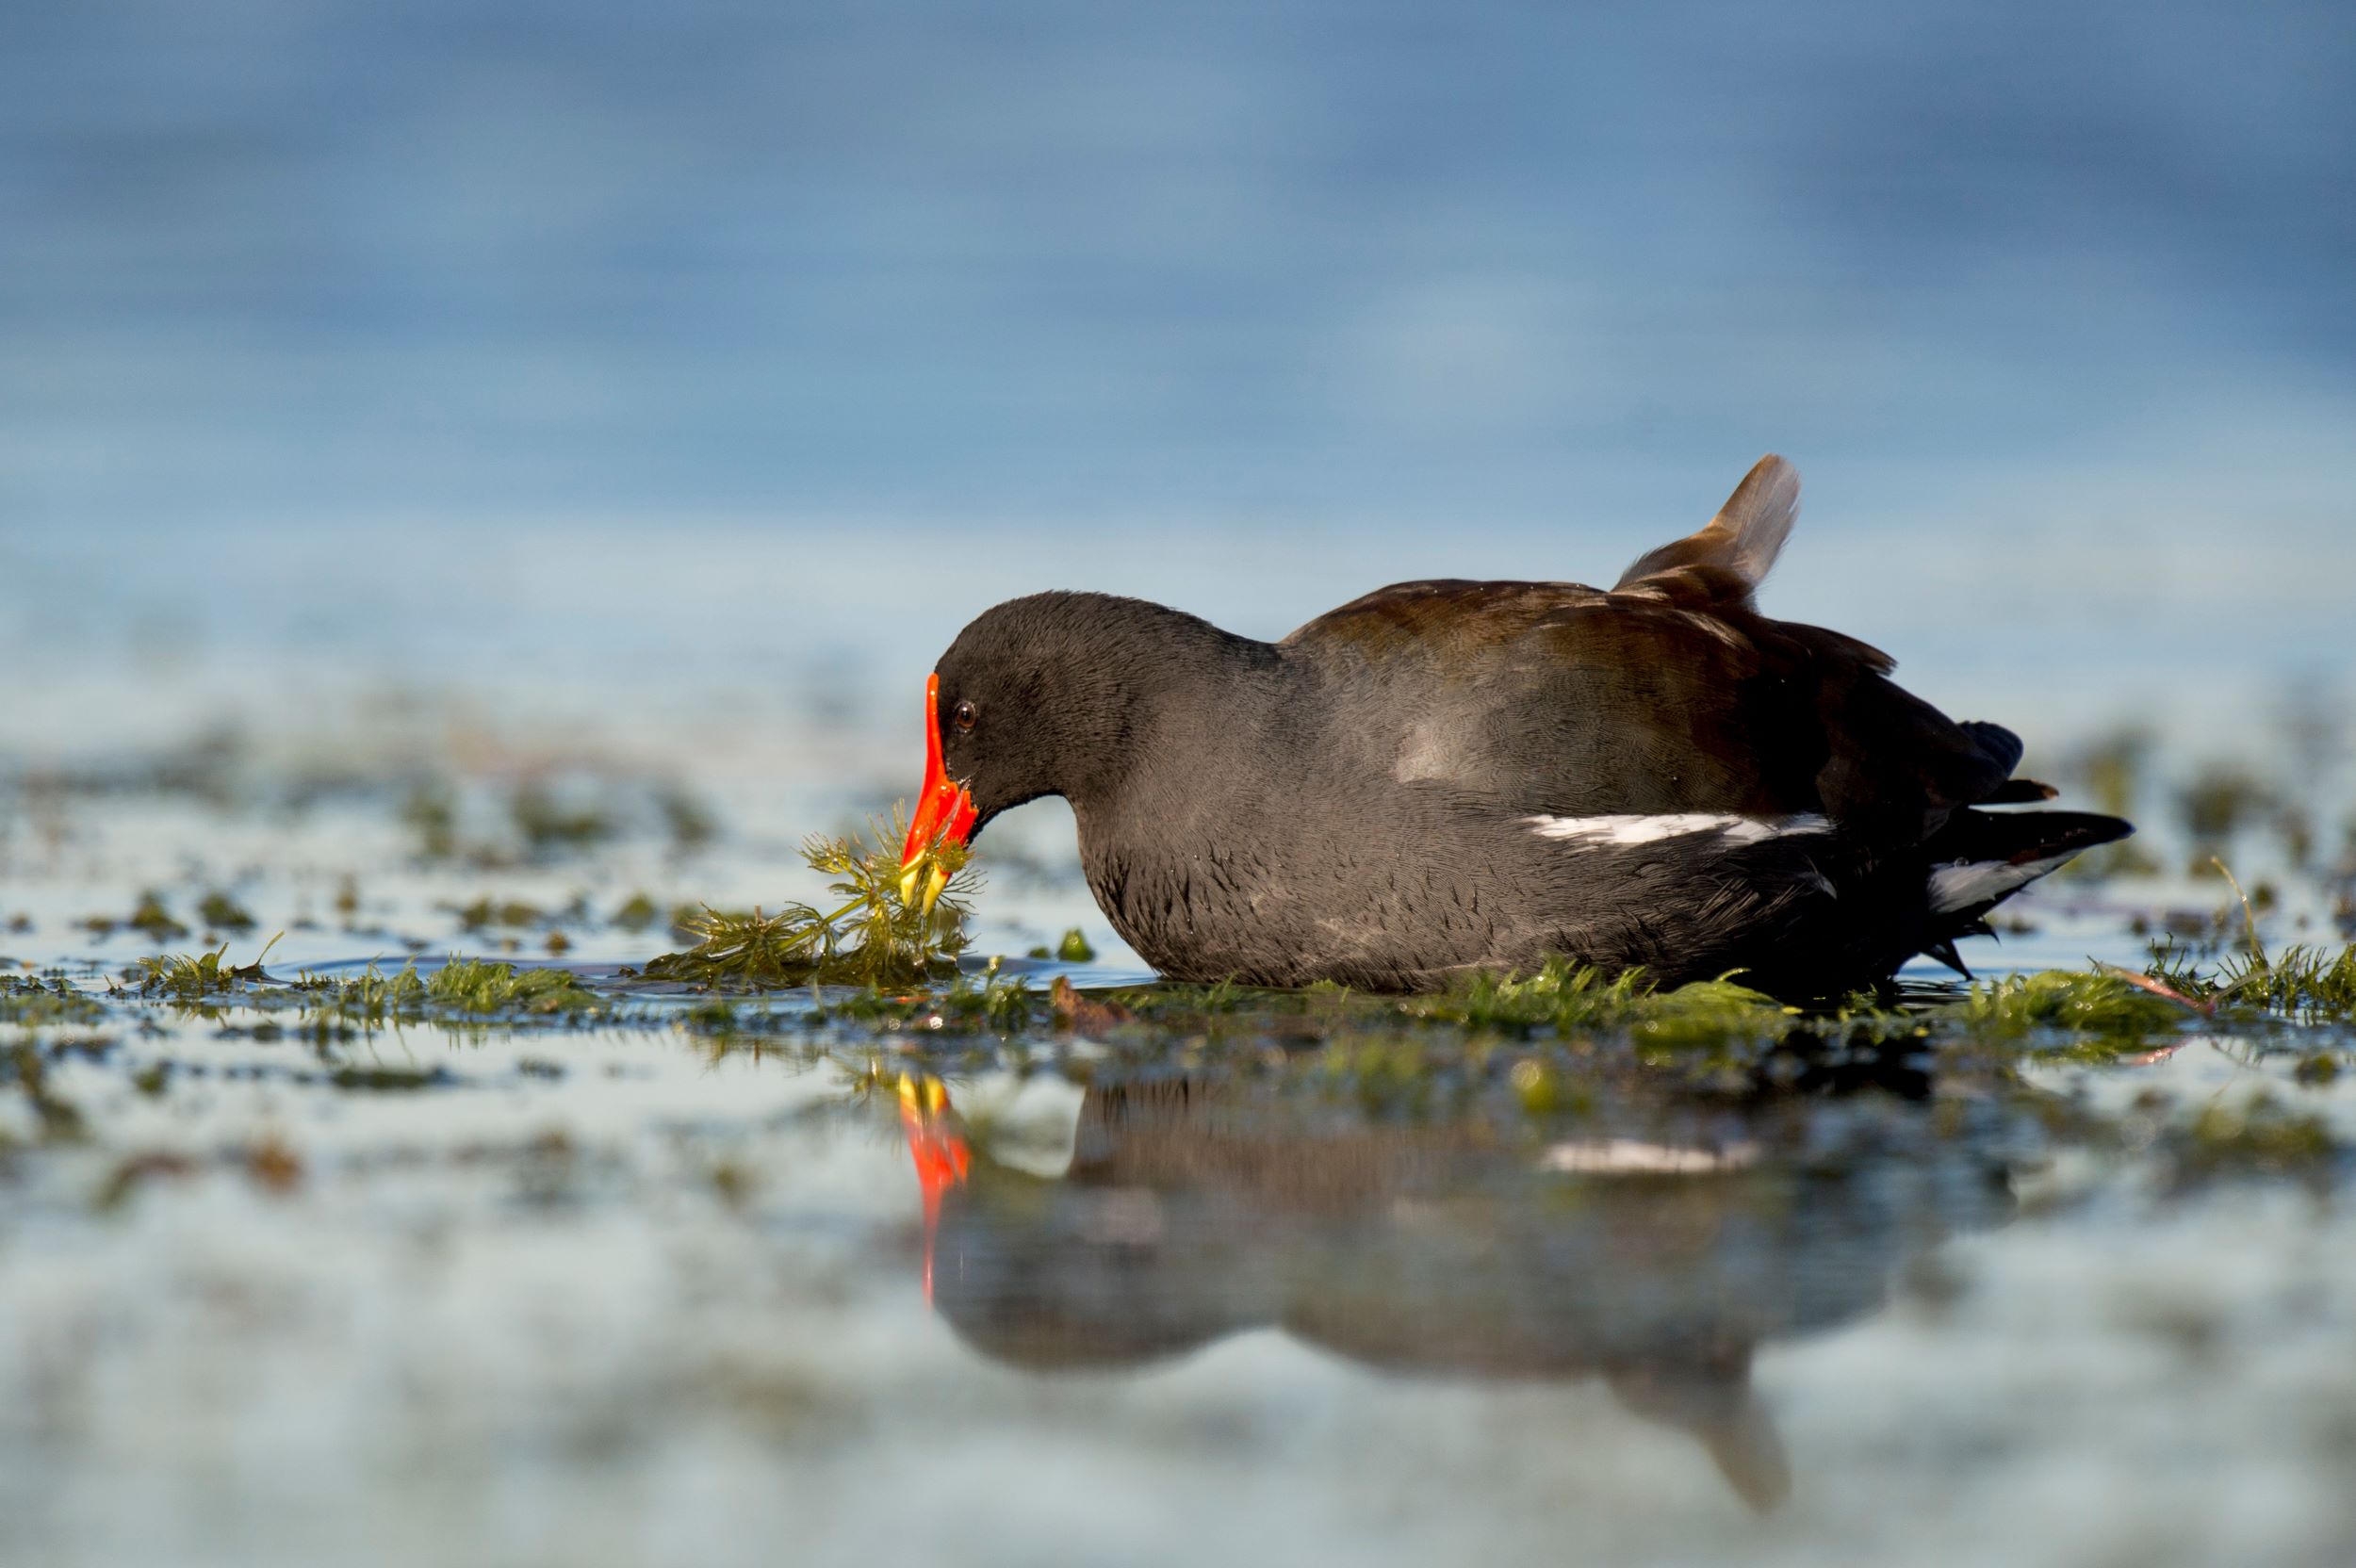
(606, 348)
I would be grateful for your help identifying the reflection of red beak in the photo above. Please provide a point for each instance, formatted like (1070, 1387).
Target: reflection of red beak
(937, 1149)
(945, 811)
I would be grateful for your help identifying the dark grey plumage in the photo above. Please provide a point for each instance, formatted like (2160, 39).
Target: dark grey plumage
(1448, 775)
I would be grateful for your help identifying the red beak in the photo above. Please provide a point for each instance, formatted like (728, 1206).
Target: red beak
(944, 811)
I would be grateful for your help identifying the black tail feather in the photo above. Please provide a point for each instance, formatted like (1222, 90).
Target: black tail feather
(2000, 745)
(1980, 859)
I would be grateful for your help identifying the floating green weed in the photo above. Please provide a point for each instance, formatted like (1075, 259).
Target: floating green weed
(370, 998)
(971, 1002)
(1074, 949)
(153, 920)
(1575, 999)
(220, 912)
(33, 1001)
(1710, 1014)
(186, 977)
(430, 811)
(150, 918)
(2075, 1001)
(688, 820)
(485, 913)
(1171, 1003)
(636, 913)
(552, 823)
(476, 986)
(2312, 985)
(460, 989)
(872, 939)
(1563, 996)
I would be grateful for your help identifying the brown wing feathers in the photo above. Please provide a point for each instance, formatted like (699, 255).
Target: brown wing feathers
(1890, 754)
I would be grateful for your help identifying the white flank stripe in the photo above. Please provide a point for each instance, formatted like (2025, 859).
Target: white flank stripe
(1631, 829)
(1969, 882)
(1636, 1157)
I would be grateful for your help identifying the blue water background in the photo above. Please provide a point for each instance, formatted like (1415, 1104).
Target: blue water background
(706, 346)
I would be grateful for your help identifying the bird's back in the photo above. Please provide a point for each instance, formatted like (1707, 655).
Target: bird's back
(1445, 775)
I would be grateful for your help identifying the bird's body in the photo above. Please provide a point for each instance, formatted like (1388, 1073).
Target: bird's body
(1444, 777)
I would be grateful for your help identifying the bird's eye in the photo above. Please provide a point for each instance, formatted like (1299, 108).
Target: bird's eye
(964, 716)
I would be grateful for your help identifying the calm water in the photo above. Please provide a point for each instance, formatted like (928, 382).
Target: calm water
(439, 402)
(625, 1288)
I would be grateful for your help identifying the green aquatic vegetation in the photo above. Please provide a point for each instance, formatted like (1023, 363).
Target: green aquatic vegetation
(1572, 999)
(1176, 1002)
(27, 1000)
(2309, 985)
(1563, 1000)
(2099, 1003)
(461, 990)
(479, 987)
(874, 938)
(192, 977)
(220, 912)
(688, 821)
(485, 913)
(430, 811)
(1710, 1014)
(754, 951)
(2175, 966)
(151, 919)
(988, 1002)
(971, 1005)
(636, 913)
(370, 998)
(1074, 949)
(2216, 805)
(1563, 996)
(552, 824)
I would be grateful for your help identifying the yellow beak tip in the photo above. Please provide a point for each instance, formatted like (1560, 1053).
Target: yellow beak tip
(933, 885)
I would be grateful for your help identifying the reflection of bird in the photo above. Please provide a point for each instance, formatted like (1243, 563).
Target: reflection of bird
(1446, 775)
(1188, 1214)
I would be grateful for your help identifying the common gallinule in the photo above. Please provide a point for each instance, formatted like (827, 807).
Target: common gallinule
(1448, 775)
